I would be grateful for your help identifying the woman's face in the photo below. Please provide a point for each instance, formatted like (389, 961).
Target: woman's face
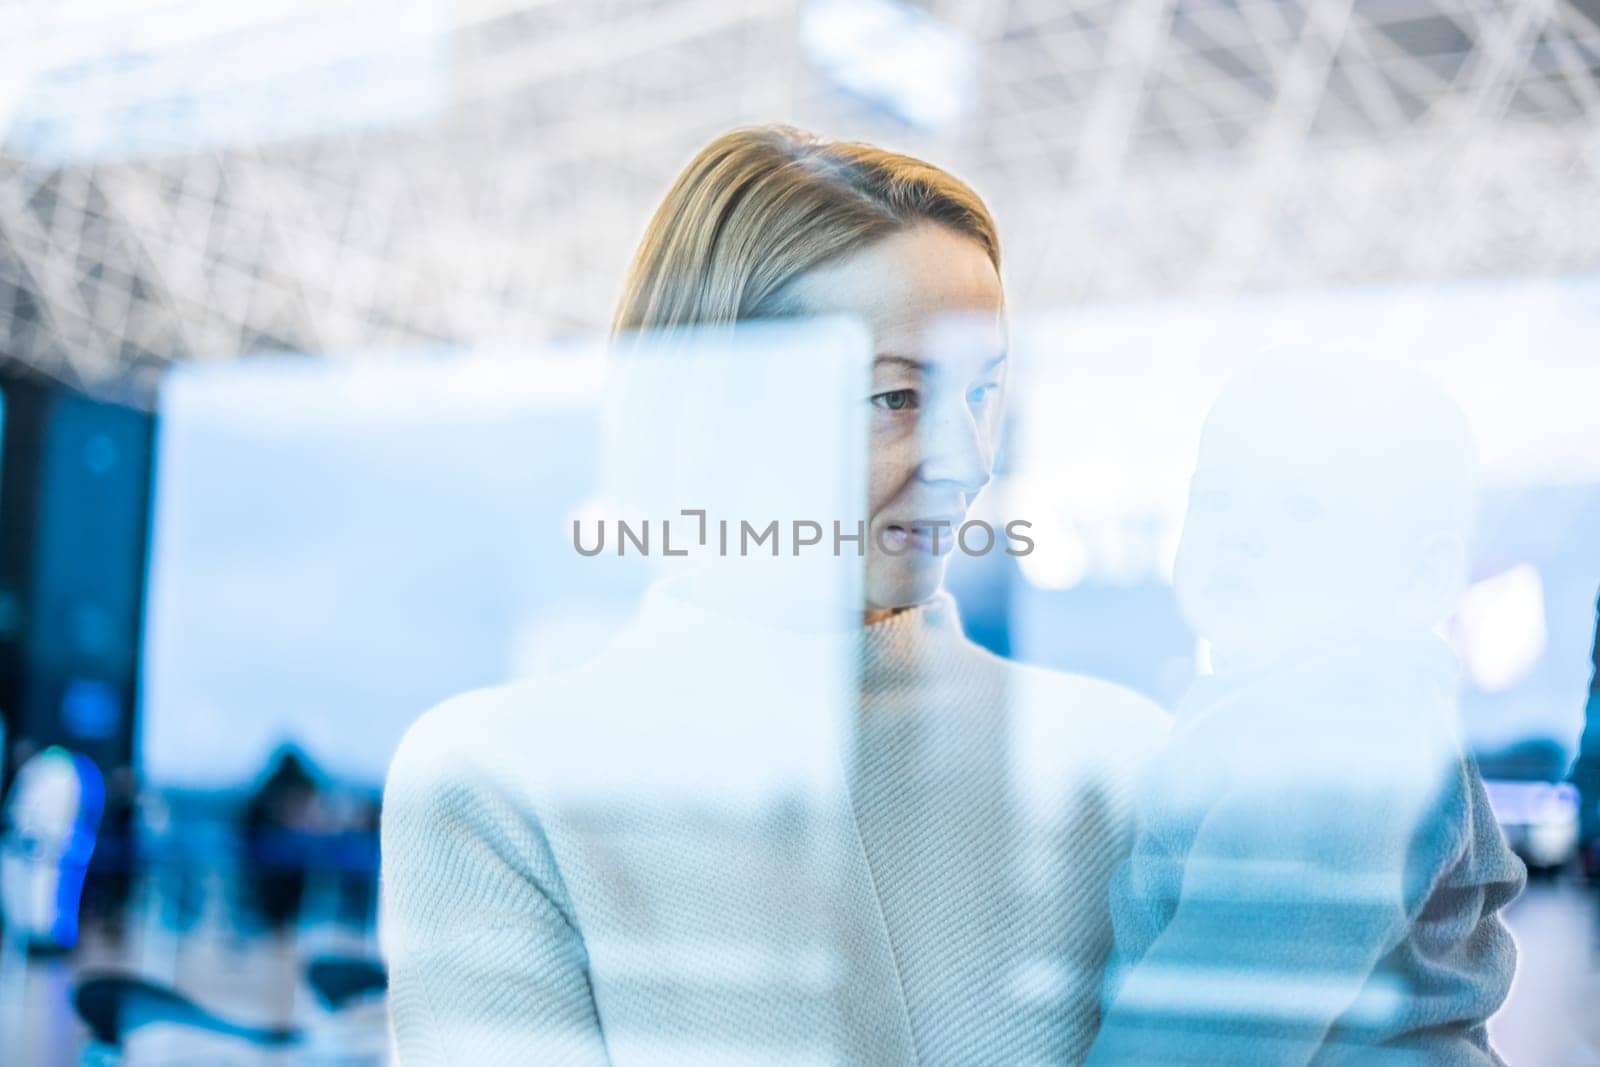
(933, 303)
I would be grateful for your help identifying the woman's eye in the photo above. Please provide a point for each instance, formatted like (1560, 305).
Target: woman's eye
(896, 400)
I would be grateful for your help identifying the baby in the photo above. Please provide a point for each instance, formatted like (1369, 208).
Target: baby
(1317, 875)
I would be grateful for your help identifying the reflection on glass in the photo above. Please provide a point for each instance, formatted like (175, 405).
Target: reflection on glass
(1318, 872)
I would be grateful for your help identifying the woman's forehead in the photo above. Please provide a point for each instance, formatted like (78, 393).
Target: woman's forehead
(907, 285)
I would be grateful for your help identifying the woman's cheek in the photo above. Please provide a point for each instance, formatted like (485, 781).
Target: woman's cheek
(893, 439)
(892, 462)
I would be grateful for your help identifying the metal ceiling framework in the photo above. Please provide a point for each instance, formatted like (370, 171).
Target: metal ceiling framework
(1131, 149)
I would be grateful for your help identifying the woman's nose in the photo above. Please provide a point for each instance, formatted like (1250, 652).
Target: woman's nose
(956, 449)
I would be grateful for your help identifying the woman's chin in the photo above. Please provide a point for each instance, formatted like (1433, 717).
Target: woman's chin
(904, 584)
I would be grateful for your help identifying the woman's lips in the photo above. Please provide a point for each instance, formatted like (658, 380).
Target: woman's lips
(920, 535)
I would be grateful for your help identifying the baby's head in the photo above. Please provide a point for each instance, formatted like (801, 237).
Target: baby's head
(1332, 502)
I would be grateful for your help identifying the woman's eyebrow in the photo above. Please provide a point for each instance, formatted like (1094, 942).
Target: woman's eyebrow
(920, 367)
(904, 361)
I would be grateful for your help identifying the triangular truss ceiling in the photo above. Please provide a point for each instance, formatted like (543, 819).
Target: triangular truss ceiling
(511, 152)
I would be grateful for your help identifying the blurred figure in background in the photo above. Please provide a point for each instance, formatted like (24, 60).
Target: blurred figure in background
(109, 884)
(52, 821)
(279, 823)
(1318, 875)
(1586, 770)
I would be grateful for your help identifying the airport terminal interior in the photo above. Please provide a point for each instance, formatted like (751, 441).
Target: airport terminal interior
(305, 398)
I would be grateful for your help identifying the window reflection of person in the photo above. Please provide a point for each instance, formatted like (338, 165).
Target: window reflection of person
(956, 912)
(1318, 875)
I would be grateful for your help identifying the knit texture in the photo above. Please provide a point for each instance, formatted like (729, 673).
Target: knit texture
(726, 842)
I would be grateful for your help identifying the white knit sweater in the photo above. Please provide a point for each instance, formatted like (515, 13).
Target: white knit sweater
(721, 842)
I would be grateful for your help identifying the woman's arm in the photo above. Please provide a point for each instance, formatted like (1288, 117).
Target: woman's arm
(485, 964)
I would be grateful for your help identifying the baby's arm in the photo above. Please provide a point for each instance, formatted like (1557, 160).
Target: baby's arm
(1291, 891)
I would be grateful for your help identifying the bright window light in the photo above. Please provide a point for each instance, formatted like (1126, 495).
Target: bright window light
(1500, 628)
(900, 58)
(138, 79)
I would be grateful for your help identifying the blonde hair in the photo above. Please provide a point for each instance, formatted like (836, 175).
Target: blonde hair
(757, 208)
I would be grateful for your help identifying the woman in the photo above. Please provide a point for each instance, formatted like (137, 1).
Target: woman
(943, 899)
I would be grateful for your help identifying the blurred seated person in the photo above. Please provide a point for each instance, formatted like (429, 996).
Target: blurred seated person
(280, 823)
(1586, 771)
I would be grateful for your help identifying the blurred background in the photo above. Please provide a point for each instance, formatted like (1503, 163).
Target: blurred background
(264, 268)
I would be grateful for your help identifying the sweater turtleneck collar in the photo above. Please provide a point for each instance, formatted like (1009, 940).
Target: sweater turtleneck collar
(911, 640)
(906, 641)
(936, 614)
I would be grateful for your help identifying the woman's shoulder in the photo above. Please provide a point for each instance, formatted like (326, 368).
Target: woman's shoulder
(473, 739)
(464, 852)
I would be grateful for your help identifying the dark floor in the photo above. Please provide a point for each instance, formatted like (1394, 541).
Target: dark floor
(1553, 1014)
